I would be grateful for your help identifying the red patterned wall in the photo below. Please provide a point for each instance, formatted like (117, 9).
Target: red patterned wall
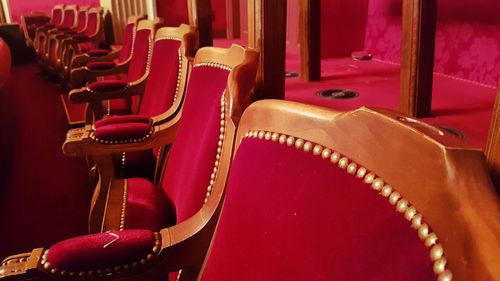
(467, 37)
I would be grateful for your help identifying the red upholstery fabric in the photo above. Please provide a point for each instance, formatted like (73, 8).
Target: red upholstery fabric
(139, 61)
(124, 131)
(101, 65)
(82, 20)
(85, 46)
(122, 119)
(467, 37)
(56, 18)
(325, 223)
(127, 42)
(68, 19)
(140, 56)
(98, 53)
(107, 86)
(162, 81)
(5, 62)
(88, 253)
(147, 206)
(174, 12)
(80, 37)
(121, 107)
(91, 24)
(192, 156)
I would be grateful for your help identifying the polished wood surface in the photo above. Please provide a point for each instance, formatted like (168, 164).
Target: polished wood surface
(233, 18)
(417, 57)
(310, 39)
(492, 150)
(437, 173)
(266, 33)
(200, 15)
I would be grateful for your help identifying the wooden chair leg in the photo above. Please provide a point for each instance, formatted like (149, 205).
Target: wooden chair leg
(492, 150)
(267, 33)
(310, 40)
(417, 56)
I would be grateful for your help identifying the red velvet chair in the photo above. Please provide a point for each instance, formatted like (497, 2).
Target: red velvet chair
(54, 41)
(85, 39)
(30, 29)
(369, 194)
(145, 228)
(42, 35)
(5, 62)
(136, 69)
(160, 98)
(103, 55)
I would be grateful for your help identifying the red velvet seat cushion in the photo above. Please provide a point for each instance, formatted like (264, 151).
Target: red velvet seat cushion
(108, 86)
(86, 46)
(101, 65)
(123, 132)
(325, 224)
(98, 52)
(147, 206)
(122, 119)
(97, 251)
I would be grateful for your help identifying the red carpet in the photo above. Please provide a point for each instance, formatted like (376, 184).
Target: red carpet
(44, 195)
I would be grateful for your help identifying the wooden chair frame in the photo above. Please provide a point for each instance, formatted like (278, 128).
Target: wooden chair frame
(25, 28)
(40, 32)
(183, 245)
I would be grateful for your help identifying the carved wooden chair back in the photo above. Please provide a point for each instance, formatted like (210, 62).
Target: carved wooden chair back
(315, 194)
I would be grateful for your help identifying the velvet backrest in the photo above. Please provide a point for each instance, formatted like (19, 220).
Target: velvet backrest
(92, 26)
(365, 195)
(192, 156)
(140, 53)
(128, 40)
(69, 16)
(161, 87)
(82, 19)
(57, 15)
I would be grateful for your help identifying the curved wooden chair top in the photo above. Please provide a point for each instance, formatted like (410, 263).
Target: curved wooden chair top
(439, 214)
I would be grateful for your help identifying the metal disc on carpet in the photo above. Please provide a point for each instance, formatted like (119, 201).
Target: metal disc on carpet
(337, 94)
(291, 74)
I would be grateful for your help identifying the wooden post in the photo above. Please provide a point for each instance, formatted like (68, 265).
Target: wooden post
(492, 150)
(267, 33)
(310, 40)
(417, 56)
(200, 15)
(233, 18)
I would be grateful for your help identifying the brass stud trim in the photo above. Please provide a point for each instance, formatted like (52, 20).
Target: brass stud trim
(213, 64)
(401, 205)
(148, 135)
(220, 145)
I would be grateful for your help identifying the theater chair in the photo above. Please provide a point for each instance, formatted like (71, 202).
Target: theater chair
(160, 97)
(30, 29)
(149, 231)
(68, 23)
(135, 69)
(86, 39)
(30, 22)
(54, 41)
(369, 194)
(103, 55)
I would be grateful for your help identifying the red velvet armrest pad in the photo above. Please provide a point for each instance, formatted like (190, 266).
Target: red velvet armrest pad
(80, 37)
(122, 132)
(108, 86)
(122, 119)
(98, 52)
(100, 65)
(102, 250)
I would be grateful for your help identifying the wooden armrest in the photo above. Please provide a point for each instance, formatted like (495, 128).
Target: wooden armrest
(82, 59)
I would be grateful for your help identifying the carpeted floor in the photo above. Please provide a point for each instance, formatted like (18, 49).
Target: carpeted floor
(44, 195)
